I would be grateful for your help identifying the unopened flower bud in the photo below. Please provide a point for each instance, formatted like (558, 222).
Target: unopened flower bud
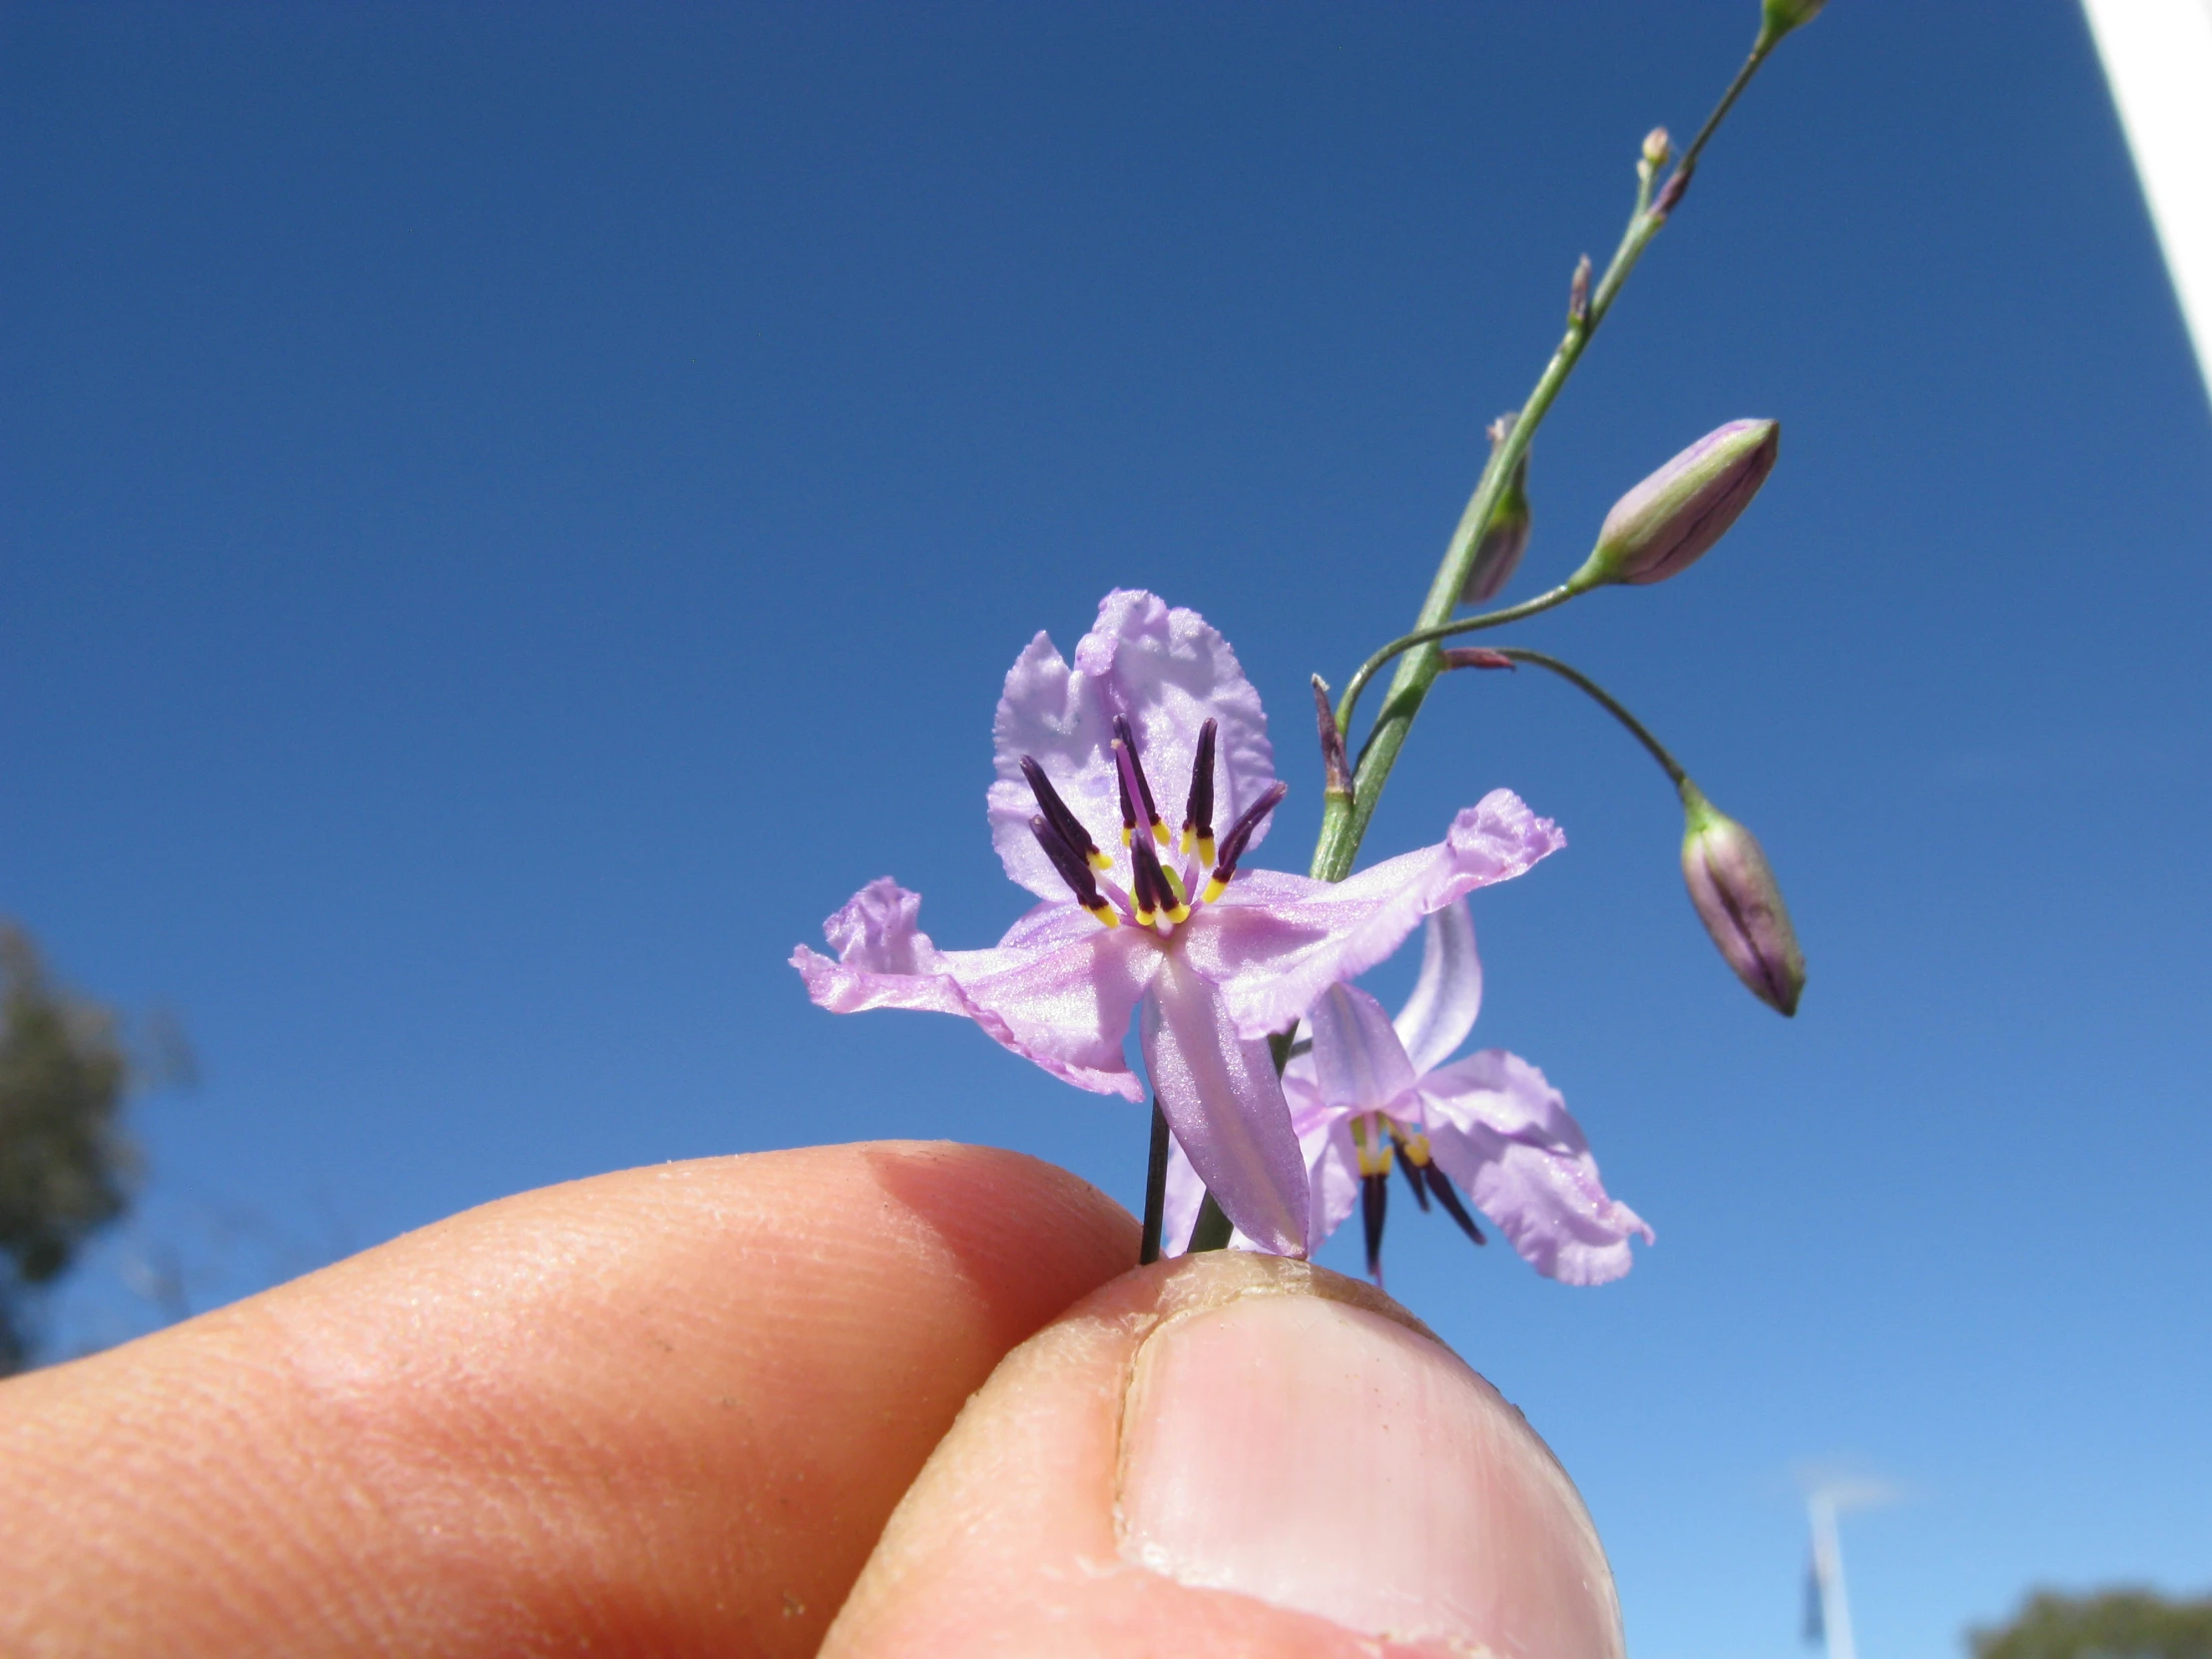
(1657, 148)
(1336, 764)
(1778, 17)
(1476, 656)
(1740, 902)
(1666, 523)
(1506, 538)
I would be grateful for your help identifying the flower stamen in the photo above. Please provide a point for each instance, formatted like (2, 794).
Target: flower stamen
(1441, 1186)
(1157, 890)
(1134, 787)
(1060, 817)
(1198, 816)
(1375, 1205)
(1073, 871)
(1240, 836)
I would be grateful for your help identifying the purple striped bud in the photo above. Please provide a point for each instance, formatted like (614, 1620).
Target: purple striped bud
(1740, 902)
(1506, 538)
(1667, 522)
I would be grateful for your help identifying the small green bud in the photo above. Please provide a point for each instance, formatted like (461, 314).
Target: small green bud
(1657, 148)
(1667, 522)
(1737, 898)
(1778, 17)
(1506, 538)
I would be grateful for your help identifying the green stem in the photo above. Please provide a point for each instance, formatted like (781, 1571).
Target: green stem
(1444, 630)
(1213, 1228)
(1344, 829)
(1605, 700)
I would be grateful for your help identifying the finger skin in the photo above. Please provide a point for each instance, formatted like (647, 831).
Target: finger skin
(1011, 1541)
(664, 1411)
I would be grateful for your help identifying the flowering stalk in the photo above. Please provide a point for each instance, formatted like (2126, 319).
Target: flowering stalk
(1345, 821)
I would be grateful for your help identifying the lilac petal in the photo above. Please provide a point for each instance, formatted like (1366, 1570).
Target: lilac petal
(1167, 672)
(1498, 1129)
(1449, 994)
(1059, 989)
(1221, 1099)
(1184, 1194)
(1274, 942)
(1359, 1063)
(1333, 1168)
(1333, 1175)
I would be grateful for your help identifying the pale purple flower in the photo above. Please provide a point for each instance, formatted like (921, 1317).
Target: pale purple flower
(1139, 915)
(1372, 1092)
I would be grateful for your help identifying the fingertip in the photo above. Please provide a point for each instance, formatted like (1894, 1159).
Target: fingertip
(1235, 1452)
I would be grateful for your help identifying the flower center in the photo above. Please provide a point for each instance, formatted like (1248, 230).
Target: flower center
(1375, 1136)
(1165, 869)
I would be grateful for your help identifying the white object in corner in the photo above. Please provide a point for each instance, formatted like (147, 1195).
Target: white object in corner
(2158, 59)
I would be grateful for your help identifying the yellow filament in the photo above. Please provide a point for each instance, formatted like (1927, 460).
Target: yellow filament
(1160, 832)
(1206, 851)
(1215, 887)
(1105, 913)
(1125, 835)
(1099, 861)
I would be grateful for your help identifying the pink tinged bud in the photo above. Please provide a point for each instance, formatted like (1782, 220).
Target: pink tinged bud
(1666, 523)
(1657, 148)
(1740, 902)
(1506, 538)
(1476, 656)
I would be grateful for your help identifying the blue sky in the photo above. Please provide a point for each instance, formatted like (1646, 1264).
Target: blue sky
(509, 516)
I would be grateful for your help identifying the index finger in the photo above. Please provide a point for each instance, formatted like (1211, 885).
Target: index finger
(665, 1412)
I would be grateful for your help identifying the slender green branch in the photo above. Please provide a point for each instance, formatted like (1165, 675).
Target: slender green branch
(1342, 832)
(1688, 164)
(1444, 630)
(1605, 700)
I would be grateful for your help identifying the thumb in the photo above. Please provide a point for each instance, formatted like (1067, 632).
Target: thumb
(1232, 1453)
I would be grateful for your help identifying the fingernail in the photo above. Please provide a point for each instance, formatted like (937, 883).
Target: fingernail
(1324, 1457)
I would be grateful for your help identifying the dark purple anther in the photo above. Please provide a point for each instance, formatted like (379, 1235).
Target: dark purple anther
(1058, 814)
(1240, 836)
(1198, 816)
(1414, 1174)
(1153, 894)
(1441, 1185)
(1128, 742)
(1374, 1204)
(1069, 863)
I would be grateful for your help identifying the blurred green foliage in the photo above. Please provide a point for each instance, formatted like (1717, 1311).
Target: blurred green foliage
(2113, 1624)
(66, 1167)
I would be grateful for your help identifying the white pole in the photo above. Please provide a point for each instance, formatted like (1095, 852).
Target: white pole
(2158, 59)
(1827, 1572)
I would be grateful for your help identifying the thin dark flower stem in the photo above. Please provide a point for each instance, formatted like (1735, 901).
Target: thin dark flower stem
(1605, 700)
(1155, 1189)
(1345, 822)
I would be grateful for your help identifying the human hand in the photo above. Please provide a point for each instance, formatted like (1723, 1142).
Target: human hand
(673, 1410)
